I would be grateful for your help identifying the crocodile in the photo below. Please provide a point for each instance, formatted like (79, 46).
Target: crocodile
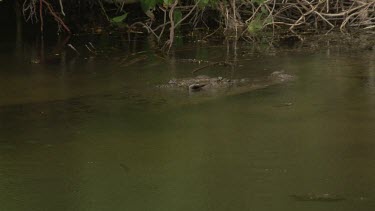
(205, 85)
(176, 92)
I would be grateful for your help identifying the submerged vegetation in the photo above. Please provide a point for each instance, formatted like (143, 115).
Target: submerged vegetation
(234, 18)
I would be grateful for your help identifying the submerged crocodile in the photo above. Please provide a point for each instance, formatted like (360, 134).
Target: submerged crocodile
(204, 85)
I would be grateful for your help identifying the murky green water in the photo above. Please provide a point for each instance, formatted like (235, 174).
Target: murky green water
(93, 134)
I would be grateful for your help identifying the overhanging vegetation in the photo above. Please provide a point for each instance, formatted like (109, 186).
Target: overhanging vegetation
(232, 17)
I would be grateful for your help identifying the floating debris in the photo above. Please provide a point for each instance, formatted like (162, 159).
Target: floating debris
(283, 105)
(326, 197)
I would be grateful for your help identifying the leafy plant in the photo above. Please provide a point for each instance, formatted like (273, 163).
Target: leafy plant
(205, 3)
(177, 16)
(259, 2)
(150, 4)
(119, 19)
(166, 3)
(260, 19)
(254, 26)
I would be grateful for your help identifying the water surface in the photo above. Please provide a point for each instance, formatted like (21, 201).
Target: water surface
(90, 132)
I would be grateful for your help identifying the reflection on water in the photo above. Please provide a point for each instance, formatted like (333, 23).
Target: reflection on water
(87, 133)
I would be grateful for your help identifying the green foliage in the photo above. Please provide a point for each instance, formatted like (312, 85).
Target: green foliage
(179, 39)
(267, 20)
(150, 4)
(261, 18)
(167, 3)
(177, 15)
(264, 10)
(119, 19)
(205, 3)
(259, 2)
(255, 26)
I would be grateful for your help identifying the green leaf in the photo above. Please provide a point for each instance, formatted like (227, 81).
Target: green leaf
(268, 20)
(259, 2)
(264, 10)
(203, 3)
(149, 4)
(119, 19)
(167, 3)
(255, 26)
(177, 15)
